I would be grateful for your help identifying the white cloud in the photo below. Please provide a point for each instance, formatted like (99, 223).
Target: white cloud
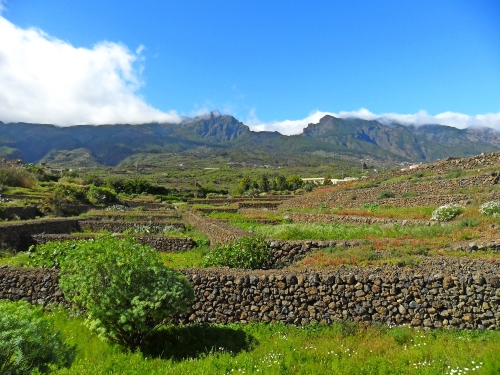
(47, 80)
(458, 120)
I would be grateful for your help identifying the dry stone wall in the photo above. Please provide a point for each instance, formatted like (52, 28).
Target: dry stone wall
(432, 193)
(459, 293)
(17, 236)
(261, 205)
(121, 226)
(160, 243)
(309, 218)
(22, 213)
(35, 285)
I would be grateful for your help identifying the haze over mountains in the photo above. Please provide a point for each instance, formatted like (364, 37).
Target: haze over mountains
(354, 138)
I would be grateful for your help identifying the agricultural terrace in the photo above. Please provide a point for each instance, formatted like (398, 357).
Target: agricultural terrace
(396, 273)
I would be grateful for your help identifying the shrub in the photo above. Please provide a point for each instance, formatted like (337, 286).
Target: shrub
(16, 177)
(28, 341)
(384, 194)
(447, 212)
(137, 186)
(491, 208)
(125, 288)
(247, 252)
(69, 192)
(97, 194)
(49, 254)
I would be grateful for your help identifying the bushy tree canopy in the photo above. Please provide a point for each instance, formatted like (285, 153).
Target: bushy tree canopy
(125, 288)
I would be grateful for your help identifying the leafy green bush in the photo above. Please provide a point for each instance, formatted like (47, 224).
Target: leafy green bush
(69, 192)
(247, 252)
(447, 212)
(137, 186)
(50, 254)
(125, 288)
(384, 194)
(97, 194)
(491, 208)
(29, 342)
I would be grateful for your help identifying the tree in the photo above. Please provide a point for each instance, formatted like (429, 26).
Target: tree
(294, 182)
(264, 183)
(125, 288)
(29, 342)
(281, 183)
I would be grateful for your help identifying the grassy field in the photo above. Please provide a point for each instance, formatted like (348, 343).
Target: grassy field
(343, 348)
(340, 231)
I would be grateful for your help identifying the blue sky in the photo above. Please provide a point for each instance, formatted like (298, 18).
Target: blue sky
(275, 65)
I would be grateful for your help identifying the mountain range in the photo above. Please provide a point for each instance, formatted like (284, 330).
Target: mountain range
(354, 138)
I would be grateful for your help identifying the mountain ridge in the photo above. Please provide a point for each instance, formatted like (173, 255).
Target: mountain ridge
(352, 137)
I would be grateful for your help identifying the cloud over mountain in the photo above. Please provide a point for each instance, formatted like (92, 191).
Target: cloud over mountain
(457, 120)
(47, 80)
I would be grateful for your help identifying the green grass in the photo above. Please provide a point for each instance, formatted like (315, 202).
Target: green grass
(339, 231)
(13, 259)
(343, 348)
(186, 259)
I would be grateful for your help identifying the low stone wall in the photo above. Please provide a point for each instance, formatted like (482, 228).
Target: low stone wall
(311, 218)
(217, 231)
(135, 216)
(35, 285)
(285, 253)
(146, 205)
(431, 193)
(160, 243)
(218, 201)
(261, 205)
(442, 292)
(16, 212)
(17, 236)
(216, 209)
(256, 211)
(121, 226)
(460, 297)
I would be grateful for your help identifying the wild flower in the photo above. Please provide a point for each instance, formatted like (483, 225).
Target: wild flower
(491, 208)
(447, 212)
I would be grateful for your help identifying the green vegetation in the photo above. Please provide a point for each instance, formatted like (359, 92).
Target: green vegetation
(248, 252)
(339, 231)
(124, 288)
(343, 348)
(17, 177)
(29, 342)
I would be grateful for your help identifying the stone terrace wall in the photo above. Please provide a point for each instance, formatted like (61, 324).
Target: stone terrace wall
(309, 218)
(460, 293)
(17, 236)
(121, 226)
(285, 253)
(357, 197)
(261, 205)
(146, 205)
(217, 209)
(216, 201)
(217, 231)
(23, 213)
(37, 286)
(136, 216)
(160, 243)
(463, 298)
